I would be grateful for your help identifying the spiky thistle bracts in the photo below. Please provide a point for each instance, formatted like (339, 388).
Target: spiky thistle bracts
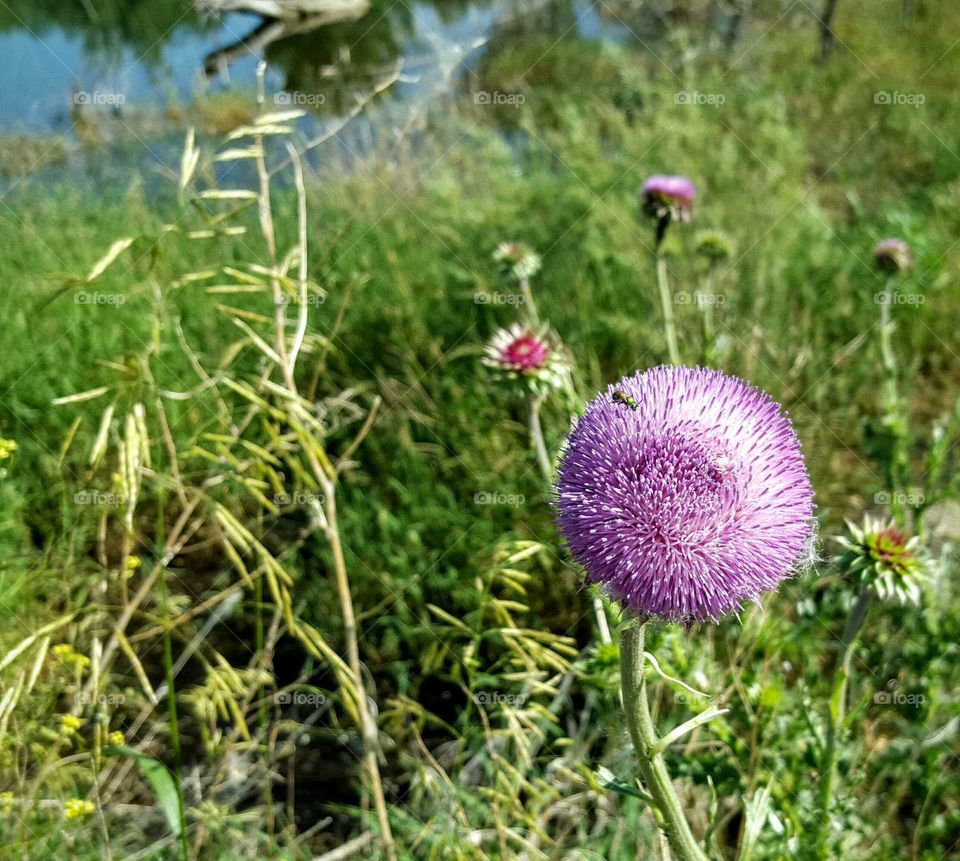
(885, 559)
(517, 260)
(691, 504)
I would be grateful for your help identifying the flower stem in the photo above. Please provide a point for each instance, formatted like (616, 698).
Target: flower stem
(536, 435)
(666, 301)
(653, 769)
(893, 413)
(527, 294)
(174, 734)
(836, 716)
(709, 341)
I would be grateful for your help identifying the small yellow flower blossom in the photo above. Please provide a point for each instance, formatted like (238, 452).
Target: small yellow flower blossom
(69, 724)
(78, 808)
(7, 447)
(133, 563)
(116, 738)
(66, 653)
(6, 802)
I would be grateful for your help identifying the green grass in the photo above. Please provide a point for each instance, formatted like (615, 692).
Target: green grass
(798, 165)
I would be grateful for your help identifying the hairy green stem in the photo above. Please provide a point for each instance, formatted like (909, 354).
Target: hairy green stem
(536, 435)
(836, 716)
(527, 294)
(653, 769)
(893, 410)
(666, 301)
(709, 339)
(175, 737)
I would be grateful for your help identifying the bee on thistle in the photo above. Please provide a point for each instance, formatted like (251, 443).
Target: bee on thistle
(621, 397)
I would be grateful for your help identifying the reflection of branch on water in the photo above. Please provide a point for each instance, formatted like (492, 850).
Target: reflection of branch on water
(288, 9)
(278, 26)
(335, 129)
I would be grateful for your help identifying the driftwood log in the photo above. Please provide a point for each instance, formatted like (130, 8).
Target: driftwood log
(285, 10)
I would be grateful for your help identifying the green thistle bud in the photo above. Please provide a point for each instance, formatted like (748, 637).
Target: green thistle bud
(517, 260)
(884, 559)
(713, 245)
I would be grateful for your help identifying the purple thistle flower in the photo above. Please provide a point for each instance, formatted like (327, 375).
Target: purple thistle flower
(668, 195)
(684, 492)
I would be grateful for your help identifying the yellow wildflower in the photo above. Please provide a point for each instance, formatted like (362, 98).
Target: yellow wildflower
(66, 653)
(70, 724)
(116, 738)
(78, 808)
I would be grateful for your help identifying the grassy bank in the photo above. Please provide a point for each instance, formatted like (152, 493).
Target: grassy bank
(805, 167)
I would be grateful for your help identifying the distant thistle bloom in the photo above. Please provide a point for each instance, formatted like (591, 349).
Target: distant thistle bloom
(892, 255)
(521, 352)
(517, 259)
(884, 559)
(684, 492)
(668, 195)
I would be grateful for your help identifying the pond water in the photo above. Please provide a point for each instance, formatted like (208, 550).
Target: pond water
(97, 88)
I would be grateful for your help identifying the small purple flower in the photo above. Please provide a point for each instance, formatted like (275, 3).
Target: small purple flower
(668, 195)
(892, 255)
(684, 492)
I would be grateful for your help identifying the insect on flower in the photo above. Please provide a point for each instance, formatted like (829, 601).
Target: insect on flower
(621, 397)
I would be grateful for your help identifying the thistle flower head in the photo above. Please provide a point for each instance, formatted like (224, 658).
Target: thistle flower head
(713, 245)
(684, 492)
(517, 260)
(892, 255)
(529, 354)
(884, 559)
(668, 195)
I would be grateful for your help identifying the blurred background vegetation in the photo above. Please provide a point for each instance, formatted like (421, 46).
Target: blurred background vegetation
(498, 713)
